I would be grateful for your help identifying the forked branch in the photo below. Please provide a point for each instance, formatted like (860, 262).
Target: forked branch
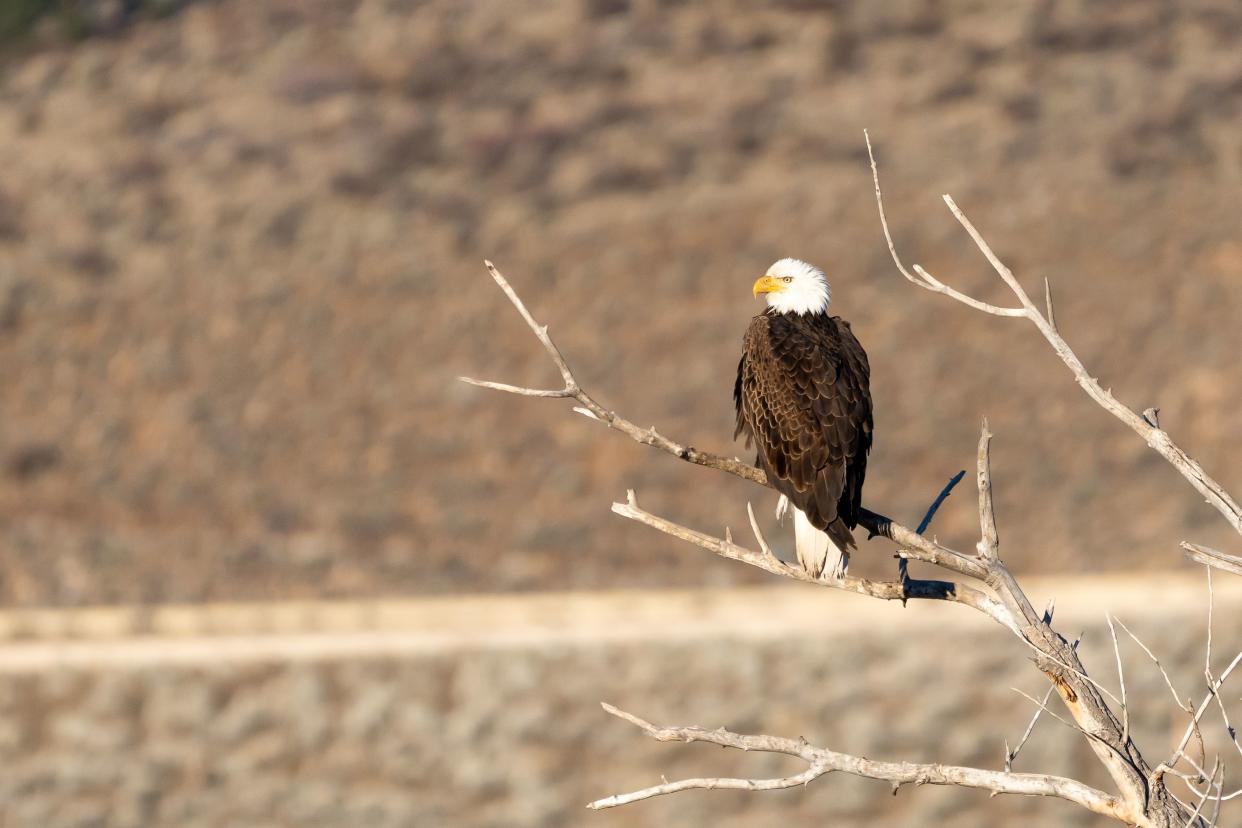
(822, 761)
(1146, 427)
(588, 407)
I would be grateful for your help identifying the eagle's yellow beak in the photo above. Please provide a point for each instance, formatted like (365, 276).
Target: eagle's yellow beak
(766, 284)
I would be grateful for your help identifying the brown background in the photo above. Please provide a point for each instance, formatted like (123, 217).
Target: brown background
(240, 268)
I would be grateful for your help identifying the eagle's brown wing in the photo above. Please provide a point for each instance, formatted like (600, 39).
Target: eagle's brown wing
(802, 394)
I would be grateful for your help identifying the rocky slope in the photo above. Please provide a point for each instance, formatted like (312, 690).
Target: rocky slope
(492, 718)
(240, 268)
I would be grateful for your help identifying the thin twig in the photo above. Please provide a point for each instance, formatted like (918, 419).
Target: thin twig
(903, 563)
(1193, 727)
(1121, 678)
(1010, 755)
(1220, 786)
(592, 409)
(1154, 437)
(925, 280)
(1051, 313)
(1199, 805)
(940, 498)
(1043, 708)
(989, 541)
(1211, 603)
(1168, 681)
(763, 543)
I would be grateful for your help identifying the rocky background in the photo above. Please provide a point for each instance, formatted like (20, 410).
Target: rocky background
(384, 721)
(240, 269)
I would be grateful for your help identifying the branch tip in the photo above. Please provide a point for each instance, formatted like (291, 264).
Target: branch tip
(1052, 316)
(1212, 558)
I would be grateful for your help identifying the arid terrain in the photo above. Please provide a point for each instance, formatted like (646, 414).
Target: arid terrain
(484, 712)
(265, 561)
(240, 269)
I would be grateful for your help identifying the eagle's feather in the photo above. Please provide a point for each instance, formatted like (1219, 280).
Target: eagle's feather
(803, 397)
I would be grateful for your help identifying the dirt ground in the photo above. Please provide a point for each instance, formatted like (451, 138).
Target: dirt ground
(240, 269)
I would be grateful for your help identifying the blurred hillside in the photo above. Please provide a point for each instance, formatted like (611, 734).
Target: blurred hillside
(25, 23)
(240, 268)
(483, 710)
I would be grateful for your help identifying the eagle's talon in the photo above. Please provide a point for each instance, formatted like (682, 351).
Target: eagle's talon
(782, 509)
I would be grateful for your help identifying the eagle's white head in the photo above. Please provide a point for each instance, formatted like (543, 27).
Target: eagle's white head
(793, 286)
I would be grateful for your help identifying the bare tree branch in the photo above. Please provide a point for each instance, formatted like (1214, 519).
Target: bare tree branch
(1052, 314)
(1121, 679)
(763, 543)
(593, 410)
(1147, 426)
(903, 563)
(940, 498)
(924, 279)
(1177, 699)
(1193, 727)
(1010, 755)
(1043, 708)
(822, 761)
(1211, 607)
(1151, 433)
(1211, 557)
(1199, 806)
(950, 591)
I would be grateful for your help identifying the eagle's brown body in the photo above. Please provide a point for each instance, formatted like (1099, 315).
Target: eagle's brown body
(803, 396)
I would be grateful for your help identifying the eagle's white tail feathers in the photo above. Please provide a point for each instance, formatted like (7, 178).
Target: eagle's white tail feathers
(816, 551)
(782, 509)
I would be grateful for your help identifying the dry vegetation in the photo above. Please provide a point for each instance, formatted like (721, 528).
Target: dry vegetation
(239, 269)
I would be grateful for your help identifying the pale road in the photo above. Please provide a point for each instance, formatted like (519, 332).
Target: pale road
(100, 637)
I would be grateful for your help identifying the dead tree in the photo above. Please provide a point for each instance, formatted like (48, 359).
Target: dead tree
(1177, 791)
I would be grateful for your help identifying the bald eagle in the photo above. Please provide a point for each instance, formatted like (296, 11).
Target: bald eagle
(803, 398)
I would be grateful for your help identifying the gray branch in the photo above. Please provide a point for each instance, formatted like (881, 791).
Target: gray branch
(822, 761)
(1211, 557)
(1147, 428)
(989, 541)
(949, 591)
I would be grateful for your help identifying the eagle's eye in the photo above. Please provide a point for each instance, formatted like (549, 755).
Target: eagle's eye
(786, 279)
